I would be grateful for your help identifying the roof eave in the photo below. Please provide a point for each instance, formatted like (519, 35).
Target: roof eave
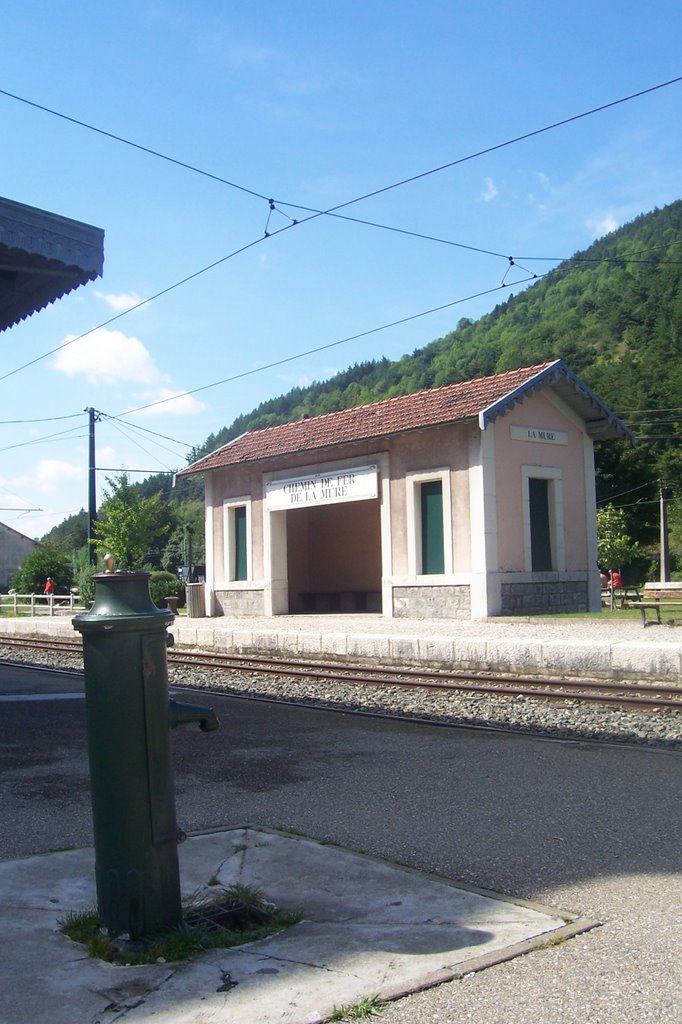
(42, 258)
(197, 467)
(600, 421)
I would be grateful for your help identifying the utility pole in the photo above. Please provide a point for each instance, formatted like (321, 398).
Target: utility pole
(665, 551)
(93, 417)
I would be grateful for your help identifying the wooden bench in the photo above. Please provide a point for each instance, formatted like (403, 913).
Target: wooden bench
(657, 598)
(620, 597)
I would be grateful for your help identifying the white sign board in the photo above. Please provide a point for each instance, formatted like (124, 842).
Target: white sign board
(357, 484)
(540, 434)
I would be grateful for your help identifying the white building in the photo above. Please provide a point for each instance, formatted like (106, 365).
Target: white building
(14, 547)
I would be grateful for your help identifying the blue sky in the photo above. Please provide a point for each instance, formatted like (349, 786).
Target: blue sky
(311, 104)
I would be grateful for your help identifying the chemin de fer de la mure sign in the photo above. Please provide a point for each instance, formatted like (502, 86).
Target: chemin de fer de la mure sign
(355, 484)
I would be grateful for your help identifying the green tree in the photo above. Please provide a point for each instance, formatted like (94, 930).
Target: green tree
(71, 534)
(46, 560)
(615, 547)
(129, 525)
(186, 542)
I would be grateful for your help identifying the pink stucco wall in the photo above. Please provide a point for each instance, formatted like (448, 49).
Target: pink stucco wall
(510, 455)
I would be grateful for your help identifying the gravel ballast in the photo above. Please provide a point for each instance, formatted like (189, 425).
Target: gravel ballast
(565, 719)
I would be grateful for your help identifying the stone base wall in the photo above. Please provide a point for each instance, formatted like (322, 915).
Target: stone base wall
(238, 602)
(432, 602)
(536, 598)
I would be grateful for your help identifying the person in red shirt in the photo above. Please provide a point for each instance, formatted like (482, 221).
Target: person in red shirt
(49, 586)
(616, 582)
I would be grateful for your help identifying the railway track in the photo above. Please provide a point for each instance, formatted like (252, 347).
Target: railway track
(651, 696)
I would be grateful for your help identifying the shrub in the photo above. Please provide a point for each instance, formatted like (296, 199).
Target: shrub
(46, 560)
(165, 584)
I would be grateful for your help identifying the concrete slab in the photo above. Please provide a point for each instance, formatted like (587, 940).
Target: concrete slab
(368, 928)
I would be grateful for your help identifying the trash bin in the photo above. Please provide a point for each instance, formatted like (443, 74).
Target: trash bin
(196, 602)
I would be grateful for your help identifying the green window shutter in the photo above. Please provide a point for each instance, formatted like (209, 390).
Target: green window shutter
(540, 537)
(240, 542)
(433, 542)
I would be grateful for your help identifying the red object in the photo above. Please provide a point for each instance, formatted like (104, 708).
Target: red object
(49, 587)
(616, 581)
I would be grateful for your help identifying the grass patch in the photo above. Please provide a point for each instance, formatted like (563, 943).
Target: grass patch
(236, 916)
(553, 940)
(370, 1007)
(605, 613)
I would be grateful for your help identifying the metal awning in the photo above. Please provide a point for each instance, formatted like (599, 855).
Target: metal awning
(42, 258)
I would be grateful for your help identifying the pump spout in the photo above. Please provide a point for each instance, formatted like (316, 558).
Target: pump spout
(182, 713)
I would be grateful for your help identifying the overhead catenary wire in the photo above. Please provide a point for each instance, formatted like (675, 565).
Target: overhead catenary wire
(128, 142)
(131, 309)
(315, 213)
(333, 212)
(496, 147)
(368, 195)
(293, 222)
(329, 345)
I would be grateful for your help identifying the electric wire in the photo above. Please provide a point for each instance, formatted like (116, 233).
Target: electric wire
(133, 440)
(131, 309)
(59, 436)
(137, 426)
(630, 490)
(492, 252)
(118, 424)
(19, 497)
(496, 147)
(368, 195)
(332, 344)
(44, 419)
(133, 145)
(638, 412)
(315, 213)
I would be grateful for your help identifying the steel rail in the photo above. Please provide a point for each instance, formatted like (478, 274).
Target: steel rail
(643, 695)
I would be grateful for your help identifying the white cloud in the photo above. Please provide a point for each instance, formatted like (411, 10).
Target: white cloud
(51, 474)
(119, 303)
(490, 191)
(107, 356)
(599, 226)
(12, 501)
(164, 401)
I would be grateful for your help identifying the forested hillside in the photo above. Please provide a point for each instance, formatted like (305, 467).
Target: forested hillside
(612, 312)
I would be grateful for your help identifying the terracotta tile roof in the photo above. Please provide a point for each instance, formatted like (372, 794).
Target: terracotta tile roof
(448, 404)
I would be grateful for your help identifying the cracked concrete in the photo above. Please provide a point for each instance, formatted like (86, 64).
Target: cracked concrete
(368, 928)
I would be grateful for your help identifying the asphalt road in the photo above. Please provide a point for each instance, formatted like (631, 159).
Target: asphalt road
(593, 828)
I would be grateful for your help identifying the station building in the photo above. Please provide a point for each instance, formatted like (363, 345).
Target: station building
(470, 500)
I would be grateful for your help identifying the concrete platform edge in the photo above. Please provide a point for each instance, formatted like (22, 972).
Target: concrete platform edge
(656, 658)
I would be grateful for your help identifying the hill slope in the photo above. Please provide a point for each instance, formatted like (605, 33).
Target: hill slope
(613, 313)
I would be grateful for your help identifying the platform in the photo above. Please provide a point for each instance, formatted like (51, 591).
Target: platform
(551, 647)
